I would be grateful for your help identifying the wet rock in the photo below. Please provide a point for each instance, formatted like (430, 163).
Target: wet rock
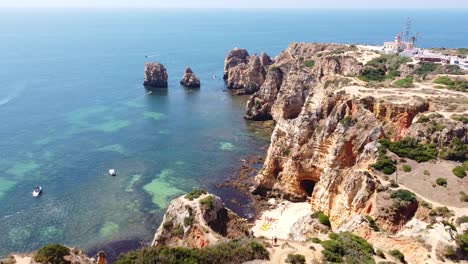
(190, 80)
(155, 75)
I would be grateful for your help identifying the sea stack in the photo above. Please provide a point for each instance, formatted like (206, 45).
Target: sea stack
(155, 75)
(190, 80)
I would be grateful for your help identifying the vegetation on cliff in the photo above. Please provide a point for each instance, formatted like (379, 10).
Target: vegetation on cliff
(410, 148)
(383, 67)
(53, 254)
(231, 252)
(349, 248)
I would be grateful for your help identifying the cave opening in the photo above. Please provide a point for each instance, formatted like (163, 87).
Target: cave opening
(308, 186)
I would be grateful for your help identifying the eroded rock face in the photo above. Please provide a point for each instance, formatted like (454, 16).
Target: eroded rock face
(325, 141)
(189, 79)
(155, 75)
(243, 73)
(198, 223)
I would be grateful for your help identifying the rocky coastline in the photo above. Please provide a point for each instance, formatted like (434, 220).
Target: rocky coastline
(353, 165)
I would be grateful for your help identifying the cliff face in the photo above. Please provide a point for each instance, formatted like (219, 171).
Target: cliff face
(325, 139)
(243, 73)
(155, 75)
(198, 222)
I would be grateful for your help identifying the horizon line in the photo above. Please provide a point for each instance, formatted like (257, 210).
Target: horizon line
(231, 8)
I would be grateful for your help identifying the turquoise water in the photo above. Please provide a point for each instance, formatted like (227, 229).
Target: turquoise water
(72, 106)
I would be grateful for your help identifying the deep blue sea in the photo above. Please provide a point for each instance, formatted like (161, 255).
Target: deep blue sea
(72, 105)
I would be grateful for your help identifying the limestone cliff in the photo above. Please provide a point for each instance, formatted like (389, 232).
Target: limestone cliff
(243, 73)
(326, 136)
(198, 221)
(155, 75)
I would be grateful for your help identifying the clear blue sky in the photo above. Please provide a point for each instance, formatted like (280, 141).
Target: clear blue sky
(240, 3)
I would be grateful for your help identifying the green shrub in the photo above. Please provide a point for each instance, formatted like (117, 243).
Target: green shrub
(453, 84)
(410, 148)
(188, 221)
(322, 217)
(459, 171)
(177, 231)
(167, 224)
(207, 202)
(423, 119)
(295, 259)
(425, 68)
(372, 223)
(349, 247)
(52, 254)
(347, 121)
(462, 219)
(383, 67)
(384, 163)
(373, 74)
(441, 182)
(398, 255)
(309, 63)
(404, 83)
(404, 195)
(441, 211)
(462, 118)
(462, 243)
(380, 254)
(406, 168)
(316, 240)
(445, 80)
(194, 194)
(455, 150)
(465, 165)
(447, 223)
(463, 197)
(234, 251)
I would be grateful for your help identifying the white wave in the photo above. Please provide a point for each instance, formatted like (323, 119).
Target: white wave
(15, 93)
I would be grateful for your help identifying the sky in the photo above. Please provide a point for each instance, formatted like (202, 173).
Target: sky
(239, 3)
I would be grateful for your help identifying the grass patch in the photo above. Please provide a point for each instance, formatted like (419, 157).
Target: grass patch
(462, 118)
(404, 83)
(406, 168)
(195, 194)
(309, 63)
(234, 251)
(455, 84)
(207, 202)
(322, 217)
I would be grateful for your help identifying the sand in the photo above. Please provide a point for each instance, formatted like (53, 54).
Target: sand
(278, 222)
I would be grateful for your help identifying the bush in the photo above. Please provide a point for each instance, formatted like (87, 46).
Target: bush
(384, 163)
(441, 182)
(423, 119)
(406, 168)
(455, 150)
(425, 68)
(380, 254)
(398, 255)
(462, 118)
(372, 223)
(404, 83)
(453, 84)
(459, 171)
(441, 211)
(410, 148)
(309, 63)
(296, 259)
(52, 254)
(445, 80)
(463, 197)
(188, 221)
(349, 247)
(177, 231)
(234, 251)
(316, 240)
(208, 202)
(194, 194)
(404, 195)
(322, 217)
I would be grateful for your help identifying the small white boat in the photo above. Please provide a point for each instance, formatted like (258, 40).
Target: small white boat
(37, 191)
(112, 172)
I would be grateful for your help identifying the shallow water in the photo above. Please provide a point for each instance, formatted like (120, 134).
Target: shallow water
(72, 105)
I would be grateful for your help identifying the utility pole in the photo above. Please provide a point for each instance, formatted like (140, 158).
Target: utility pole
(407, 29)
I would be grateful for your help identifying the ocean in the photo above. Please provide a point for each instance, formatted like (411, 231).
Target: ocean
(72, 105)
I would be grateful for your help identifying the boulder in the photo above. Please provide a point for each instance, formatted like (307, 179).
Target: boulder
(190, 80)
(155, 75)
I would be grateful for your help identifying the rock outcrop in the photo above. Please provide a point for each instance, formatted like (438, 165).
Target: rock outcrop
(189, 79)
(243, 73)
(155, 75)
(198, 222)
(325, 140)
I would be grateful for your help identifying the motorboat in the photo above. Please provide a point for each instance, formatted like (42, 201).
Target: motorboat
(37, 191)
(112, 172)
